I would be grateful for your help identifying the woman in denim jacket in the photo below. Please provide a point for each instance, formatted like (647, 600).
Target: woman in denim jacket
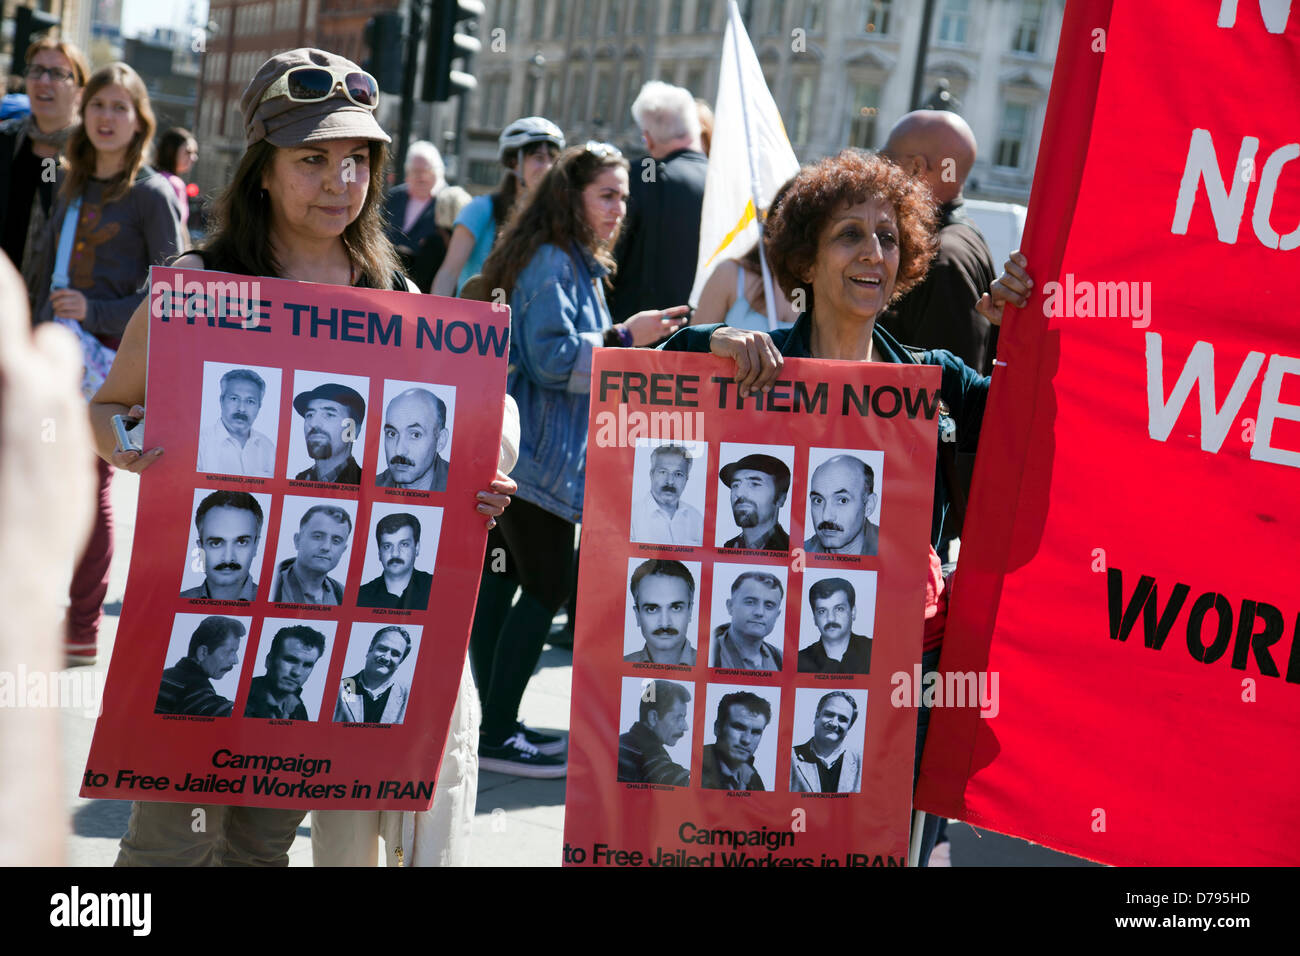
(552, 262)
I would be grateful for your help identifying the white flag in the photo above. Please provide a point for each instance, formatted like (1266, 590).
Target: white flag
(749, 160)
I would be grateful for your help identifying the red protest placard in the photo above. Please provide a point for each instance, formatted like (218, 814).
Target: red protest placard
(752, 582)
(307, 550)
(1124, 568)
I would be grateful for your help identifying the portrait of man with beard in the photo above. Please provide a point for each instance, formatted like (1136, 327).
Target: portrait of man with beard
(824, 763)
(758, 485)
(661, 516)
(331, 418)
(842, 498)
(401, 584)
(231, 445)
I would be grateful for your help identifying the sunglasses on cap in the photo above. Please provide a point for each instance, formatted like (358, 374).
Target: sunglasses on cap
(311, 84)
(603, 150)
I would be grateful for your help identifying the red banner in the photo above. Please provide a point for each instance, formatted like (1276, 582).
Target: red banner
(311, 519)
(1133, 514)
(752, 586)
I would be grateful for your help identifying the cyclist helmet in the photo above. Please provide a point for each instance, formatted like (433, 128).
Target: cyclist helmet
(523, 132)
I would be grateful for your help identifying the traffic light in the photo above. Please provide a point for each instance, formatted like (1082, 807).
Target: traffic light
(29, 24)
(450, 39)
(383, 38)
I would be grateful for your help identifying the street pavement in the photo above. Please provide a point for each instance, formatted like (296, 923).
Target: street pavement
(519, 822)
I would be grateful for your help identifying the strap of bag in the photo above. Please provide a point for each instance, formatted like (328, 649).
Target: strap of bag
(67, 235)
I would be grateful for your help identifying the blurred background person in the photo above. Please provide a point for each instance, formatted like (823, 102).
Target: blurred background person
(706, 124)
(113, 219)
(527, 148)
(552, 261)
(660, 242)
(178, 151)
(55, 72)
(410, 214)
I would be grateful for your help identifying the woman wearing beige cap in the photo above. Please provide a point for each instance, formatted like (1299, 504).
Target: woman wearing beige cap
(304, 204)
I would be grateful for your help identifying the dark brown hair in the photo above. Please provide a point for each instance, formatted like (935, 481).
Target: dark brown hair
(553, 214)
(241, 236)
(169, 144)
(508, 192)
(81, 152)
(795, 223)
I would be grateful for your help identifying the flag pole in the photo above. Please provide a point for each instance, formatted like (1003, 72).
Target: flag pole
(736, 24)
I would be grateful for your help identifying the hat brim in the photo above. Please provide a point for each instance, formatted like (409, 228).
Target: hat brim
(329, 121)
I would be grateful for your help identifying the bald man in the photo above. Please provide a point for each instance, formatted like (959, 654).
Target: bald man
(415, 431)
(937, 147)
(842, 496)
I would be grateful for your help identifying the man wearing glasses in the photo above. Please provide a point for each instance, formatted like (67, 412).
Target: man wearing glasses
(30, 146)
(661, 517)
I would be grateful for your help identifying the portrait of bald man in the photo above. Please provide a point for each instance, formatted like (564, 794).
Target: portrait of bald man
(842, 498)
(415, 435)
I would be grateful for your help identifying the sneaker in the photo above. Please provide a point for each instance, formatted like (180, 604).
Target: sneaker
(549, 744)
(519, 758)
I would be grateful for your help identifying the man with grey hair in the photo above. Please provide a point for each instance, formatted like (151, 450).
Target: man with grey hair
(410, 213)
(231, 445)
(660, 241)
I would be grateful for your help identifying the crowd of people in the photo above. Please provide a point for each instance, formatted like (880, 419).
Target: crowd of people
(588, 252)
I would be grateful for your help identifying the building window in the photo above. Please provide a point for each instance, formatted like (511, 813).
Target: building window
(557, 24)
(638, 17)
(1028, 26)
(554, 85)
(954, 22)
(584, 26)
(506, 13)
(675, 16)
(878, 12)
(483, 172)
(494, 102)
(631, 86)
(803, 106)
(604, 107)
(611, 19)
(776, 17)
(695, 78)
(538, 29)
(1013, 136)
(866, 102)
(813, 19)
(577, 97)
(703, 16)
(529, 107)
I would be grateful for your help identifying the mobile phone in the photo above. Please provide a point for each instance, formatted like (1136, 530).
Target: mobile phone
(127, 432)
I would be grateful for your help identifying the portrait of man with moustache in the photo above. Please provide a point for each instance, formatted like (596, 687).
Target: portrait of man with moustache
(213, 653)
(231, 445)
(823, 763)
(661, 516)
(842, 498)
(415, 435)
(758, 485)
(331, 421)
(375, 695)
(663, 601)
(401, 584)
(837, 650)
(229, 525)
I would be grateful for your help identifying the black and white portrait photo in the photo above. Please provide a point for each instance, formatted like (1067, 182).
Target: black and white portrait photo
(238, 423)
(377, 671)
(754, 497)
(201, 667)
(328, 432)
(740, 748)
(843, 509)
(837, 621)
(400, 556)
(829, 727)
(747, 617)
(417, 428)
(224, 552)
(656, 746)
(668, 483)
(289, 678)
(314, 550)
(661, 620)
